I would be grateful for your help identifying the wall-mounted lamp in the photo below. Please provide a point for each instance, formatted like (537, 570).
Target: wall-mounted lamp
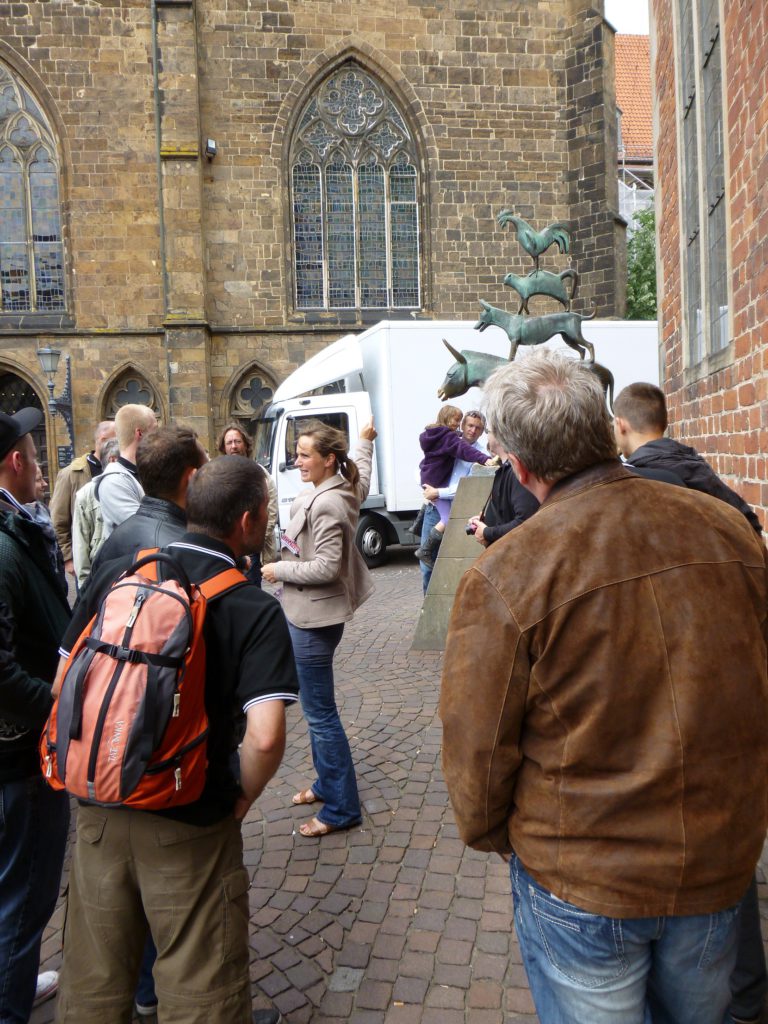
(61, 405)
(210, 148)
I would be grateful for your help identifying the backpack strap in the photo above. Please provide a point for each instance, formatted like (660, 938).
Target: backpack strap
(227, 579)
(150, 566)
(211, 588)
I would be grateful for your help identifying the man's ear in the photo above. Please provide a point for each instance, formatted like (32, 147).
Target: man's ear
(17, 461)
(622, 427)
(521, 472)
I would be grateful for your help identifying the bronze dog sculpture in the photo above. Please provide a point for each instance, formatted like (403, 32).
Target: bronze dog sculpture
(542, 282)
(537, 329)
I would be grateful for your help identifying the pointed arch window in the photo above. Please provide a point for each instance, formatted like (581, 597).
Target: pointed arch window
(31, 245)
(355, 199)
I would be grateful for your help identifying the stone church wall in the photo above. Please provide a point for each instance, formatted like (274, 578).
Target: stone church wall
(182, 265)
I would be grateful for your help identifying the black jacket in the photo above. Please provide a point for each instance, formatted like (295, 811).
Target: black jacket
(686, 463)
(156, 523)
(510, 504)
(35, 615)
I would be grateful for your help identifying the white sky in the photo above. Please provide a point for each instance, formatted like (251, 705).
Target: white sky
(628, 16)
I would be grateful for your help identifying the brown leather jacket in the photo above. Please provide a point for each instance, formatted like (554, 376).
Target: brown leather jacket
(605, 697)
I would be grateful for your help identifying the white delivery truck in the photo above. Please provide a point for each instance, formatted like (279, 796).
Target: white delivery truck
(392, 371)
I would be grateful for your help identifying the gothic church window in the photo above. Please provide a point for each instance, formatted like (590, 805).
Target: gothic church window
(705, 260)
(131, 388)
(31, 246)
(250, 396)
(354, 195)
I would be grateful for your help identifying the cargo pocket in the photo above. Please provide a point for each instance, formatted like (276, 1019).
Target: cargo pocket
(90, 825)
(234, 887)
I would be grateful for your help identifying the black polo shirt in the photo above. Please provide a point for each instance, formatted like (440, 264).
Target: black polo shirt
(249, 659)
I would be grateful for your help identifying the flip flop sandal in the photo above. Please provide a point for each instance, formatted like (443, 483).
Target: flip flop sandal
(314, 828)
(304, 796)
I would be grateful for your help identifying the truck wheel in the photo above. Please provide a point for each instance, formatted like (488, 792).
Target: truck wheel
(371, 541)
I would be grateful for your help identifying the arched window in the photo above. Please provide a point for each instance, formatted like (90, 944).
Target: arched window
(31, 249)
(15, 394)
(131, 388)
(249, 396)
(354, 192)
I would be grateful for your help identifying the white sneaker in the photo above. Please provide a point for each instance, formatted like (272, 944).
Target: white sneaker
(47, 984)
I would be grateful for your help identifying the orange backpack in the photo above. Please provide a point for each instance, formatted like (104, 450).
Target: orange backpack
(129, 725)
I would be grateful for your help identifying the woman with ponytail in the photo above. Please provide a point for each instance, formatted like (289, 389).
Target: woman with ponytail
(324, 580)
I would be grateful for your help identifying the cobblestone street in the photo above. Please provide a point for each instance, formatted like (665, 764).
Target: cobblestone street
(394, 921)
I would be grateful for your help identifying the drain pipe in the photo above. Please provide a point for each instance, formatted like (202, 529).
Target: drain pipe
(158, 158)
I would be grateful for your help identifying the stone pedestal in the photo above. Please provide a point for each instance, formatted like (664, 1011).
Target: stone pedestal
(457, 553)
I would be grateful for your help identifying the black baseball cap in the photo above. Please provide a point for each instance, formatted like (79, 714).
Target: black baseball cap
(16, 426)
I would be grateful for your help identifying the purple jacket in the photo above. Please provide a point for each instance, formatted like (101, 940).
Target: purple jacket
(441, 447)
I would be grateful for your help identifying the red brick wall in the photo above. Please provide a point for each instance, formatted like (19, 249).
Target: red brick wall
(724, 414)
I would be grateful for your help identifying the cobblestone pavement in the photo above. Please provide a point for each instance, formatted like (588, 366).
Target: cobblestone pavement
(394, 922)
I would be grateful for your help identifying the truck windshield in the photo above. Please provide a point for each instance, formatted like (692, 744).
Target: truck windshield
(265, 429)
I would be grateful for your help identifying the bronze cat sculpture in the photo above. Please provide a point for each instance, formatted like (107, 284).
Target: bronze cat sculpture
(542, 282)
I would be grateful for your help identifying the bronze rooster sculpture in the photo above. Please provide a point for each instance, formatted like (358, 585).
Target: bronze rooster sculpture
(536, 243)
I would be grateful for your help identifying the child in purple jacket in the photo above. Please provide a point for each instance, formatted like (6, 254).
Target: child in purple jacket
(442, 445)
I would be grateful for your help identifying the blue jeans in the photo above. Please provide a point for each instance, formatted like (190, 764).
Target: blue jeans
(431, 518)
(749, 981)
(587, 969)
(145, 987)
(335, 785)
(34, 822)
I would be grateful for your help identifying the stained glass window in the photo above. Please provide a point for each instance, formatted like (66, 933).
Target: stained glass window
(31, 248)
(355, 205)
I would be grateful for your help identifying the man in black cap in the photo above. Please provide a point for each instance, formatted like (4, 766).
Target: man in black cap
(33, 826)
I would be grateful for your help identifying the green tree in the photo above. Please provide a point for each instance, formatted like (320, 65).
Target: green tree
(641, 267)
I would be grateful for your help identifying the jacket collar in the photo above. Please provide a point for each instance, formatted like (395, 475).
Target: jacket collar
(9, 504)
(600, 473)
(161, 508)
(327, 485)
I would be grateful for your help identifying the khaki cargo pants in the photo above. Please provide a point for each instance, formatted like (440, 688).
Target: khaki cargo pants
(129, 868)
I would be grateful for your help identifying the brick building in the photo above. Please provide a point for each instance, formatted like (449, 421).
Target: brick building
(196, 195)
(710, 68)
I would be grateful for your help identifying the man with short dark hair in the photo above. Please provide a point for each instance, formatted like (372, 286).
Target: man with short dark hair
(69, 481)
(33, 819)
(181, 872)
(640, 420)
(614, 747)
(166, 461)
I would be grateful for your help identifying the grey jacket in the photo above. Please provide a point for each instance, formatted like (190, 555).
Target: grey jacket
(119, 493)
